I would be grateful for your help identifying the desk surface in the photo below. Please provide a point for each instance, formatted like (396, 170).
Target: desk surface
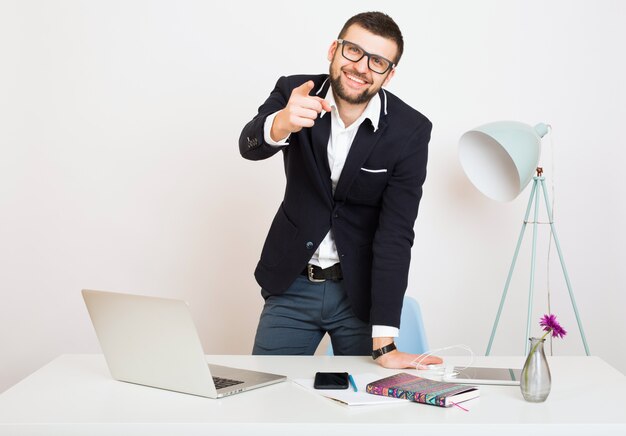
(75, 395)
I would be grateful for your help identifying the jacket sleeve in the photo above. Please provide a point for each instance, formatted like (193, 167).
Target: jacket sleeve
(395, 235)
(252, 144)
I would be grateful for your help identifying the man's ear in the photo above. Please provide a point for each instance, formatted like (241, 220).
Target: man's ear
(331, 50)
(389, 76)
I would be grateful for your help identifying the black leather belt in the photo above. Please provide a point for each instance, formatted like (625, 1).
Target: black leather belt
(318, 275)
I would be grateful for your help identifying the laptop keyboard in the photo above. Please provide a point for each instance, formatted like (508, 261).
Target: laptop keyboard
(221, 383)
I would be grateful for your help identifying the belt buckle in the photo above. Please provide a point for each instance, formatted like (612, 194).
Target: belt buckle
(309, 270)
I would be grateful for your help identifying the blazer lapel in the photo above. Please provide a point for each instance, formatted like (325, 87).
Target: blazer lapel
(320, 134)
(361, 148)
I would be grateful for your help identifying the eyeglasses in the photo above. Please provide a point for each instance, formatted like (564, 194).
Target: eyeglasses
(354, 53)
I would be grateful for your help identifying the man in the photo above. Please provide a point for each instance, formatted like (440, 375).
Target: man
(337, 255)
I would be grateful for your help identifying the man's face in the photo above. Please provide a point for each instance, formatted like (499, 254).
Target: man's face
(354, 82)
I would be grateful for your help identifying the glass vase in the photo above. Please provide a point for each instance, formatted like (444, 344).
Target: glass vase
(535, 380)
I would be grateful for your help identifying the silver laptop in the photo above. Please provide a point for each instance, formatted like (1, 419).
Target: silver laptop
(153, 342)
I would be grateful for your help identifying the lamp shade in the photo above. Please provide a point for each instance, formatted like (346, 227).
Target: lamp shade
(500, 158)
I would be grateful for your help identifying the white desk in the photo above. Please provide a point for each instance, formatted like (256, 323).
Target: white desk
(74, 395)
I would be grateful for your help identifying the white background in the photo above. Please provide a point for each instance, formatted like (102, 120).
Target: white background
(120, 170)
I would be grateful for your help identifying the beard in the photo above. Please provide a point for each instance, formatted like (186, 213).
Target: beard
(340, 90)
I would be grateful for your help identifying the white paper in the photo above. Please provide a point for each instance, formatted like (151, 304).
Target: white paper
(348, 396)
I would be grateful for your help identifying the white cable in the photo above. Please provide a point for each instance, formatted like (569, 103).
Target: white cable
(418, 361)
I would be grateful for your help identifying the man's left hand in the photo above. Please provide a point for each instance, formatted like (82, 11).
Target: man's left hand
(400, 360)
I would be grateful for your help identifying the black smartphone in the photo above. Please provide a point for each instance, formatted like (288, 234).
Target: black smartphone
(331, 380)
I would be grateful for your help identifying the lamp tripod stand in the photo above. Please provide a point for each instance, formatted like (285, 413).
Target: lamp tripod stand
(538, 180)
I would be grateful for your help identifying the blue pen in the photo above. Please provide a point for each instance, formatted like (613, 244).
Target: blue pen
(353, 383)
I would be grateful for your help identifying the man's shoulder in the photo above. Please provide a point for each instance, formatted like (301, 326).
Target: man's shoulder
(399, 111)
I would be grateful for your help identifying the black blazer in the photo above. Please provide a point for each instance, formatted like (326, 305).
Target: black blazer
(371, 214)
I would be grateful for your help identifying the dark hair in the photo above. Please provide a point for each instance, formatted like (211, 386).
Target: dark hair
(379, 24)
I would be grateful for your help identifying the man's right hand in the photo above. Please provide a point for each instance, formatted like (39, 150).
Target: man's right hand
(301, 111)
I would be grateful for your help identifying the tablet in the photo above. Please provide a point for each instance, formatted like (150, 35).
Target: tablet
(484, 376)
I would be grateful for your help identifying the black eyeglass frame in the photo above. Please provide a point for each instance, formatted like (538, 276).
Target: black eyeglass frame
(369, 56)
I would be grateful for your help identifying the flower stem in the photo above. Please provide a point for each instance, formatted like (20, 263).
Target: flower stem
(539, 341)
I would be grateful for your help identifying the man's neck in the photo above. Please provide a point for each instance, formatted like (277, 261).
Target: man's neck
(349, 113)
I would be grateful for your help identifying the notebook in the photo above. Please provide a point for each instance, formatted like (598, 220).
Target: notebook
(422, 390)
(153, 342)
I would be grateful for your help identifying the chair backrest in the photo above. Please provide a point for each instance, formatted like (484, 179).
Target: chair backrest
(412, 337)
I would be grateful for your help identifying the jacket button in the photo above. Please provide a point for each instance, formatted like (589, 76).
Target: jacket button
(309, 245)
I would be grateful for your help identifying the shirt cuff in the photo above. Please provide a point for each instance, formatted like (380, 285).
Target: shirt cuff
(267, 127)
(385, 331)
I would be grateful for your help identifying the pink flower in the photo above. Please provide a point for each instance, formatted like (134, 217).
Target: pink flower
(550, 324)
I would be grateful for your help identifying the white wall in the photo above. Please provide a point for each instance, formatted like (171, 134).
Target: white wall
(119, 166)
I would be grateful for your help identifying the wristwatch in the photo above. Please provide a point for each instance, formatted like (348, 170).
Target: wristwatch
(384, 350)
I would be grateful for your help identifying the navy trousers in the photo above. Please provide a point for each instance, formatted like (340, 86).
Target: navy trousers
(295, 322)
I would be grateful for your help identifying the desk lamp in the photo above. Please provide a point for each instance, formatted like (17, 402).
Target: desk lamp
(501, 159)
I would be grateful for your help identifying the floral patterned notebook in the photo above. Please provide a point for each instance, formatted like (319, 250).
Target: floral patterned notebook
(421, 390)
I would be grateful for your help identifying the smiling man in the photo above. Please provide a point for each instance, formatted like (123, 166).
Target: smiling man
(337, 255)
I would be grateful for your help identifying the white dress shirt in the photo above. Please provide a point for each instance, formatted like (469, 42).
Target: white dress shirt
(339, 144)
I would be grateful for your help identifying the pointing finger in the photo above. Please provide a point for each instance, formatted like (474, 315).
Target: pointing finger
(304, 89)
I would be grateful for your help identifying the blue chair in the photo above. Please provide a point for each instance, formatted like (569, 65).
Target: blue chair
(412, 337)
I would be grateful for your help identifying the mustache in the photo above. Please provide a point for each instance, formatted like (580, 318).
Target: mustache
(356, 74)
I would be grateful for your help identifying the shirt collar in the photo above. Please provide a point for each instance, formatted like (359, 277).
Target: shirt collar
(372, 110)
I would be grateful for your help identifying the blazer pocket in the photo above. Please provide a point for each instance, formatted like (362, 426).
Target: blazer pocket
(369, 185)
(369, 170)
(281, 234)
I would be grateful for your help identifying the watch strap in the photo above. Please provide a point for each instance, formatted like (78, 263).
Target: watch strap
(384, 350)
